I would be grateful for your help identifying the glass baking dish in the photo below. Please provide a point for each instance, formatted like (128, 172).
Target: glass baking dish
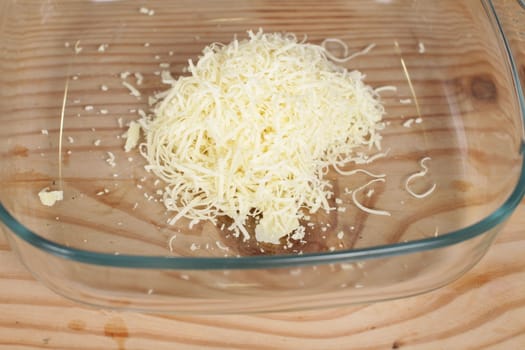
(456, 66)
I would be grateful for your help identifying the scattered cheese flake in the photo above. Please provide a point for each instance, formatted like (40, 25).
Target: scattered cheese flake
(132, 136)
(49, 198)
(221, 246)
(120, 122)
(340, 235)
(194, 247)
(104, 111)
(70, 139)
(44, 132)
(124, 75)
(102, 48)
(74, 77)
(408, 123)
(97, 142)
(166, 78)
(386, 88)
(420, 173)
(405, 101)
(299, 233)
(132, 90)
(146, 44)
(142, 113)
(67, 44)
(355, 171)
(366, 209)
(421, 47)
(347, 57)
(151, 100)
(419, 120)
(164, 65)
(88, 108)
(170, 242)
(78, 49)
(104, 88)
(111, 159)
(139, 77)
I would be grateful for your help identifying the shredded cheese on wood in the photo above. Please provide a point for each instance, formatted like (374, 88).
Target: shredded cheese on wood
(132, 136)
(132, 90)
(421, 173)
(252, 131)
(49, 198)
(361, 206)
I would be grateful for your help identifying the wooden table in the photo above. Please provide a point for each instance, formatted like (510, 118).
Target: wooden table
(485, 309)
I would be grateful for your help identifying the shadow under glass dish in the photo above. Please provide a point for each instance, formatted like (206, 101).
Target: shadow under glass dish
(107, 242)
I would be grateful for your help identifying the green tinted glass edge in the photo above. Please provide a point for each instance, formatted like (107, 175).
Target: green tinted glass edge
(280, 261)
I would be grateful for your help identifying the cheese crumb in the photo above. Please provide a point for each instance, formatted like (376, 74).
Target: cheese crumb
(78, 48)
(146, 11)
(132, 136)
(408, 123)
(124, 75)
(111, 159)
(49, 198)
(132, 90)
(102, 48)
(421, 47)
(139, 77)
(44, 132)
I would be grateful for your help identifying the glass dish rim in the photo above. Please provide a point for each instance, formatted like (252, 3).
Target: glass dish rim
(284, 261)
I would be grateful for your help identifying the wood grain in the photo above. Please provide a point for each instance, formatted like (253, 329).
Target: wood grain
(485, 309)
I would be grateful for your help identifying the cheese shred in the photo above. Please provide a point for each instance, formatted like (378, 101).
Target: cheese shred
(252, 130)
(361, 206)
(420, 173)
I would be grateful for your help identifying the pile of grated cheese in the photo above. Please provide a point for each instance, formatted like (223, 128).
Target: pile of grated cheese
(252, 131)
